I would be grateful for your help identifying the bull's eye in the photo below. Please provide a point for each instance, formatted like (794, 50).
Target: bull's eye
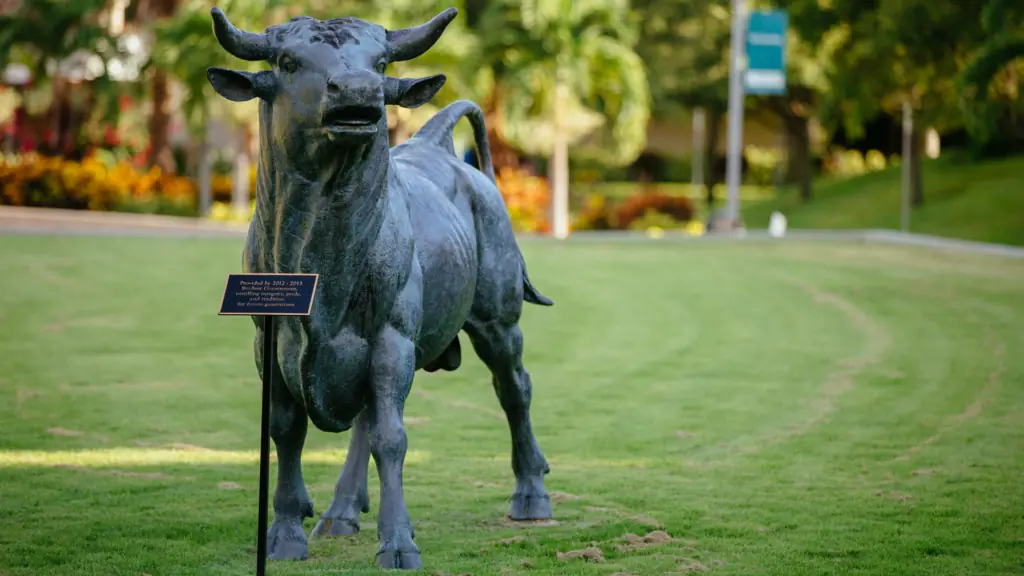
(288, 64)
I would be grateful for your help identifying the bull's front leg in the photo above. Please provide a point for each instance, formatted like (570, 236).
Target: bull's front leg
(285, 539)
(393, 365)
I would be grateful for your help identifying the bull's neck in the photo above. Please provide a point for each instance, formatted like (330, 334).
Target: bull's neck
(322, 221)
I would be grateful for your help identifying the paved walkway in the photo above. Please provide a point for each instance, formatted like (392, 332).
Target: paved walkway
(47, 221)
(20, 220)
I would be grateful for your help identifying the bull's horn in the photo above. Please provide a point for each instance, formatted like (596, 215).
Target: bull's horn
(244, 45)
(408, 43)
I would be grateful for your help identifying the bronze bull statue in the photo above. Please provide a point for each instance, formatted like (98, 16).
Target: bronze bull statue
(412, 246)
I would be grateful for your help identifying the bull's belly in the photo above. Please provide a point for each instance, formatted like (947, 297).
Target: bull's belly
(449, 266)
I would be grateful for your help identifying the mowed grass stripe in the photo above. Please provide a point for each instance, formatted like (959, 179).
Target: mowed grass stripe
(777, 409)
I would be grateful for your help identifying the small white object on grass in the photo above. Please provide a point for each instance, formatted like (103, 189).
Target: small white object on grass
(777, 225)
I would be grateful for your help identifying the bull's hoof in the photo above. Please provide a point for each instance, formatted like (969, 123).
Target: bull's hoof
(530, 506)
(335, 527)
(399, 559)
(286, 540)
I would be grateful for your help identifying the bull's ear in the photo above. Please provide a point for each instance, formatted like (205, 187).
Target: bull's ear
(239, 86)
(412, 92)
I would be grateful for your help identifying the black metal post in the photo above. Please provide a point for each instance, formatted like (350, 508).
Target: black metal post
(268, 380)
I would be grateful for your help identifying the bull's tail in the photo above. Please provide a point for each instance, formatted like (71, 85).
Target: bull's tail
(439, 130)
(531, 294)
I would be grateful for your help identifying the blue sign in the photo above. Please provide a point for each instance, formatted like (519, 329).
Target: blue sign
(268, 294)
(766, 52)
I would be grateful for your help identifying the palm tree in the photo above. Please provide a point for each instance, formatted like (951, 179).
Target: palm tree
(565, 73)
(185, 48)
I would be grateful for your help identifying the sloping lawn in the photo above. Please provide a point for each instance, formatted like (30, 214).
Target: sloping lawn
(774, 409)
(981, 201)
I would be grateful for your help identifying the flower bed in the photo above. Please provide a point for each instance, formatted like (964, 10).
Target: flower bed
(527, 198)
(92, 184)
(98, 184)
(641, 211)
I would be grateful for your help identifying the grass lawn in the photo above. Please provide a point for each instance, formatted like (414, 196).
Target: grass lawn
(970, 200)
(776, 409)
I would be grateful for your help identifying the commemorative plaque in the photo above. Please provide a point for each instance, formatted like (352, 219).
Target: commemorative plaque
(267, 295)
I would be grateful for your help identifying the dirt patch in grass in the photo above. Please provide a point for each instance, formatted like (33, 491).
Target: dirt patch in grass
(562, 496)
(508, 522)
(634, 542)
(64, 432)
(646, 520)
(187, 447)
(23, 396)
(121, 473)
(590, 554)
(690, 568)
(972, 411)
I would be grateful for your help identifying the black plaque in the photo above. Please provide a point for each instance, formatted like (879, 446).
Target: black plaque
(268, 294)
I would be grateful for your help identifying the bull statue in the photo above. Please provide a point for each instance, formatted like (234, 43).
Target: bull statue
(412, 246)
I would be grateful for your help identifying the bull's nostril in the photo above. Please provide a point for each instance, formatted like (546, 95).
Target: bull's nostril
(333, 88)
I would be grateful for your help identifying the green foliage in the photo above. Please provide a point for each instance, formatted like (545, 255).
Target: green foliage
(990, 85)
(587, 48)
(186, 47)
(685, 47)
(761, 165)
(43, 29)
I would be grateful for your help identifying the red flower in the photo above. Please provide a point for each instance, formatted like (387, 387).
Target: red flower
(124, 102)
(110, 136)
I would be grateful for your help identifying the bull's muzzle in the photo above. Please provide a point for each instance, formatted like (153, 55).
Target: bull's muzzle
(354, 104)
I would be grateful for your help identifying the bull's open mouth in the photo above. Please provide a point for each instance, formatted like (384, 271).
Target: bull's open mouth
(352, 120)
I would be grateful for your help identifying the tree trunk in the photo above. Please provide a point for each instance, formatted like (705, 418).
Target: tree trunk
(159, 124)
(160, 151)
(916, 180)
(560, 168)
(205, 172)
(51, 141)
(502, 155)
(798, 138)
(714, 126)
(240, 188)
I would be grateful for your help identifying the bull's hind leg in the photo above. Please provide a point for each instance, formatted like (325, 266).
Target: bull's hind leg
(499, 343)
(350, 493)
(285, 539)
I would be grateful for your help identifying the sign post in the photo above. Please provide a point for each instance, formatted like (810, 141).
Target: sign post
(268, 296)
(757, 66)
(907, 167)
